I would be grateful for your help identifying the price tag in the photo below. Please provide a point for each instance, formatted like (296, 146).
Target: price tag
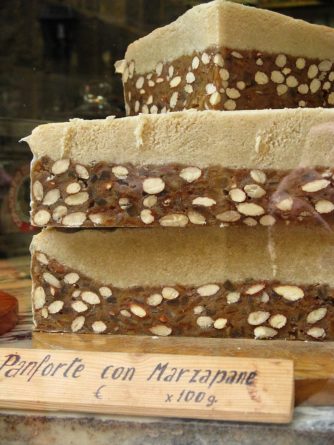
(244, 389)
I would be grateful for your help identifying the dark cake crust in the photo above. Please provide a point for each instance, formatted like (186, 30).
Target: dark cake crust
(226, 79)
(65, 300)
(68, 194)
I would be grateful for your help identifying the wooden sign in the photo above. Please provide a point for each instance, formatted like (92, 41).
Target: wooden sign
(245, 389)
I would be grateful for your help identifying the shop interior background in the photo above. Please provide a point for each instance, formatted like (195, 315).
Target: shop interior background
(57, 62)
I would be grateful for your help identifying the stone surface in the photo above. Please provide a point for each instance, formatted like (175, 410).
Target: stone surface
(311, 426)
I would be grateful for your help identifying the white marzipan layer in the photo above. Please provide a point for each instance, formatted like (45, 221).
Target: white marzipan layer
(226, 24)
(279, 139)
(195, 256)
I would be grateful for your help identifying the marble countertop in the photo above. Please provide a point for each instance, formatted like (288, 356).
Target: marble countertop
(311, 426)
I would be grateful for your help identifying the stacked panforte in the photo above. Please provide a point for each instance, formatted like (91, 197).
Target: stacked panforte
(204, 222)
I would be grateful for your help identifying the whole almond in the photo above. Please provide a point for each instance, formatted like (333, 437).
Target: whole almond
(190, 174)
(153, 186)
(161, 330)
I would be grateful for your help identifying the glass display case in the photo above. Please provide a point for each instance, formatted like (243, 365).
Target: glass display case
(63, 61)
(15, 228)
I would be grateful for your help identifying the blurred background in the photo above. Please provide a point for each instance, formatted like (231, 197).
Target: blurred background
(57, 60)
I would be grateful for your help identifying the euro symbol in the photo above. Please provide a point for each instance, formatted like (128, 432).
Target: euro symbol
(97, 394)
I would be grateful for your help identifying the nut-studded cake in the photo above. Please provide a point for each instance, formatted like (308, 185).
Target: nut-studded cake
(203, 283)
(226, 56)
(210, 168)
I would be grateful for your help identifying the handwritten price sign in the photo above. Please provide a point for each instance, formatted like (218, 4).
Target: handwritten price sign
(148, 384)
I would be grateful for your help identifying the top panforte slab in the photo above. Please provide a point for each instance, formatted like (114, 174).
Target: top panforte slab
(183, 169)
(222, 55)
